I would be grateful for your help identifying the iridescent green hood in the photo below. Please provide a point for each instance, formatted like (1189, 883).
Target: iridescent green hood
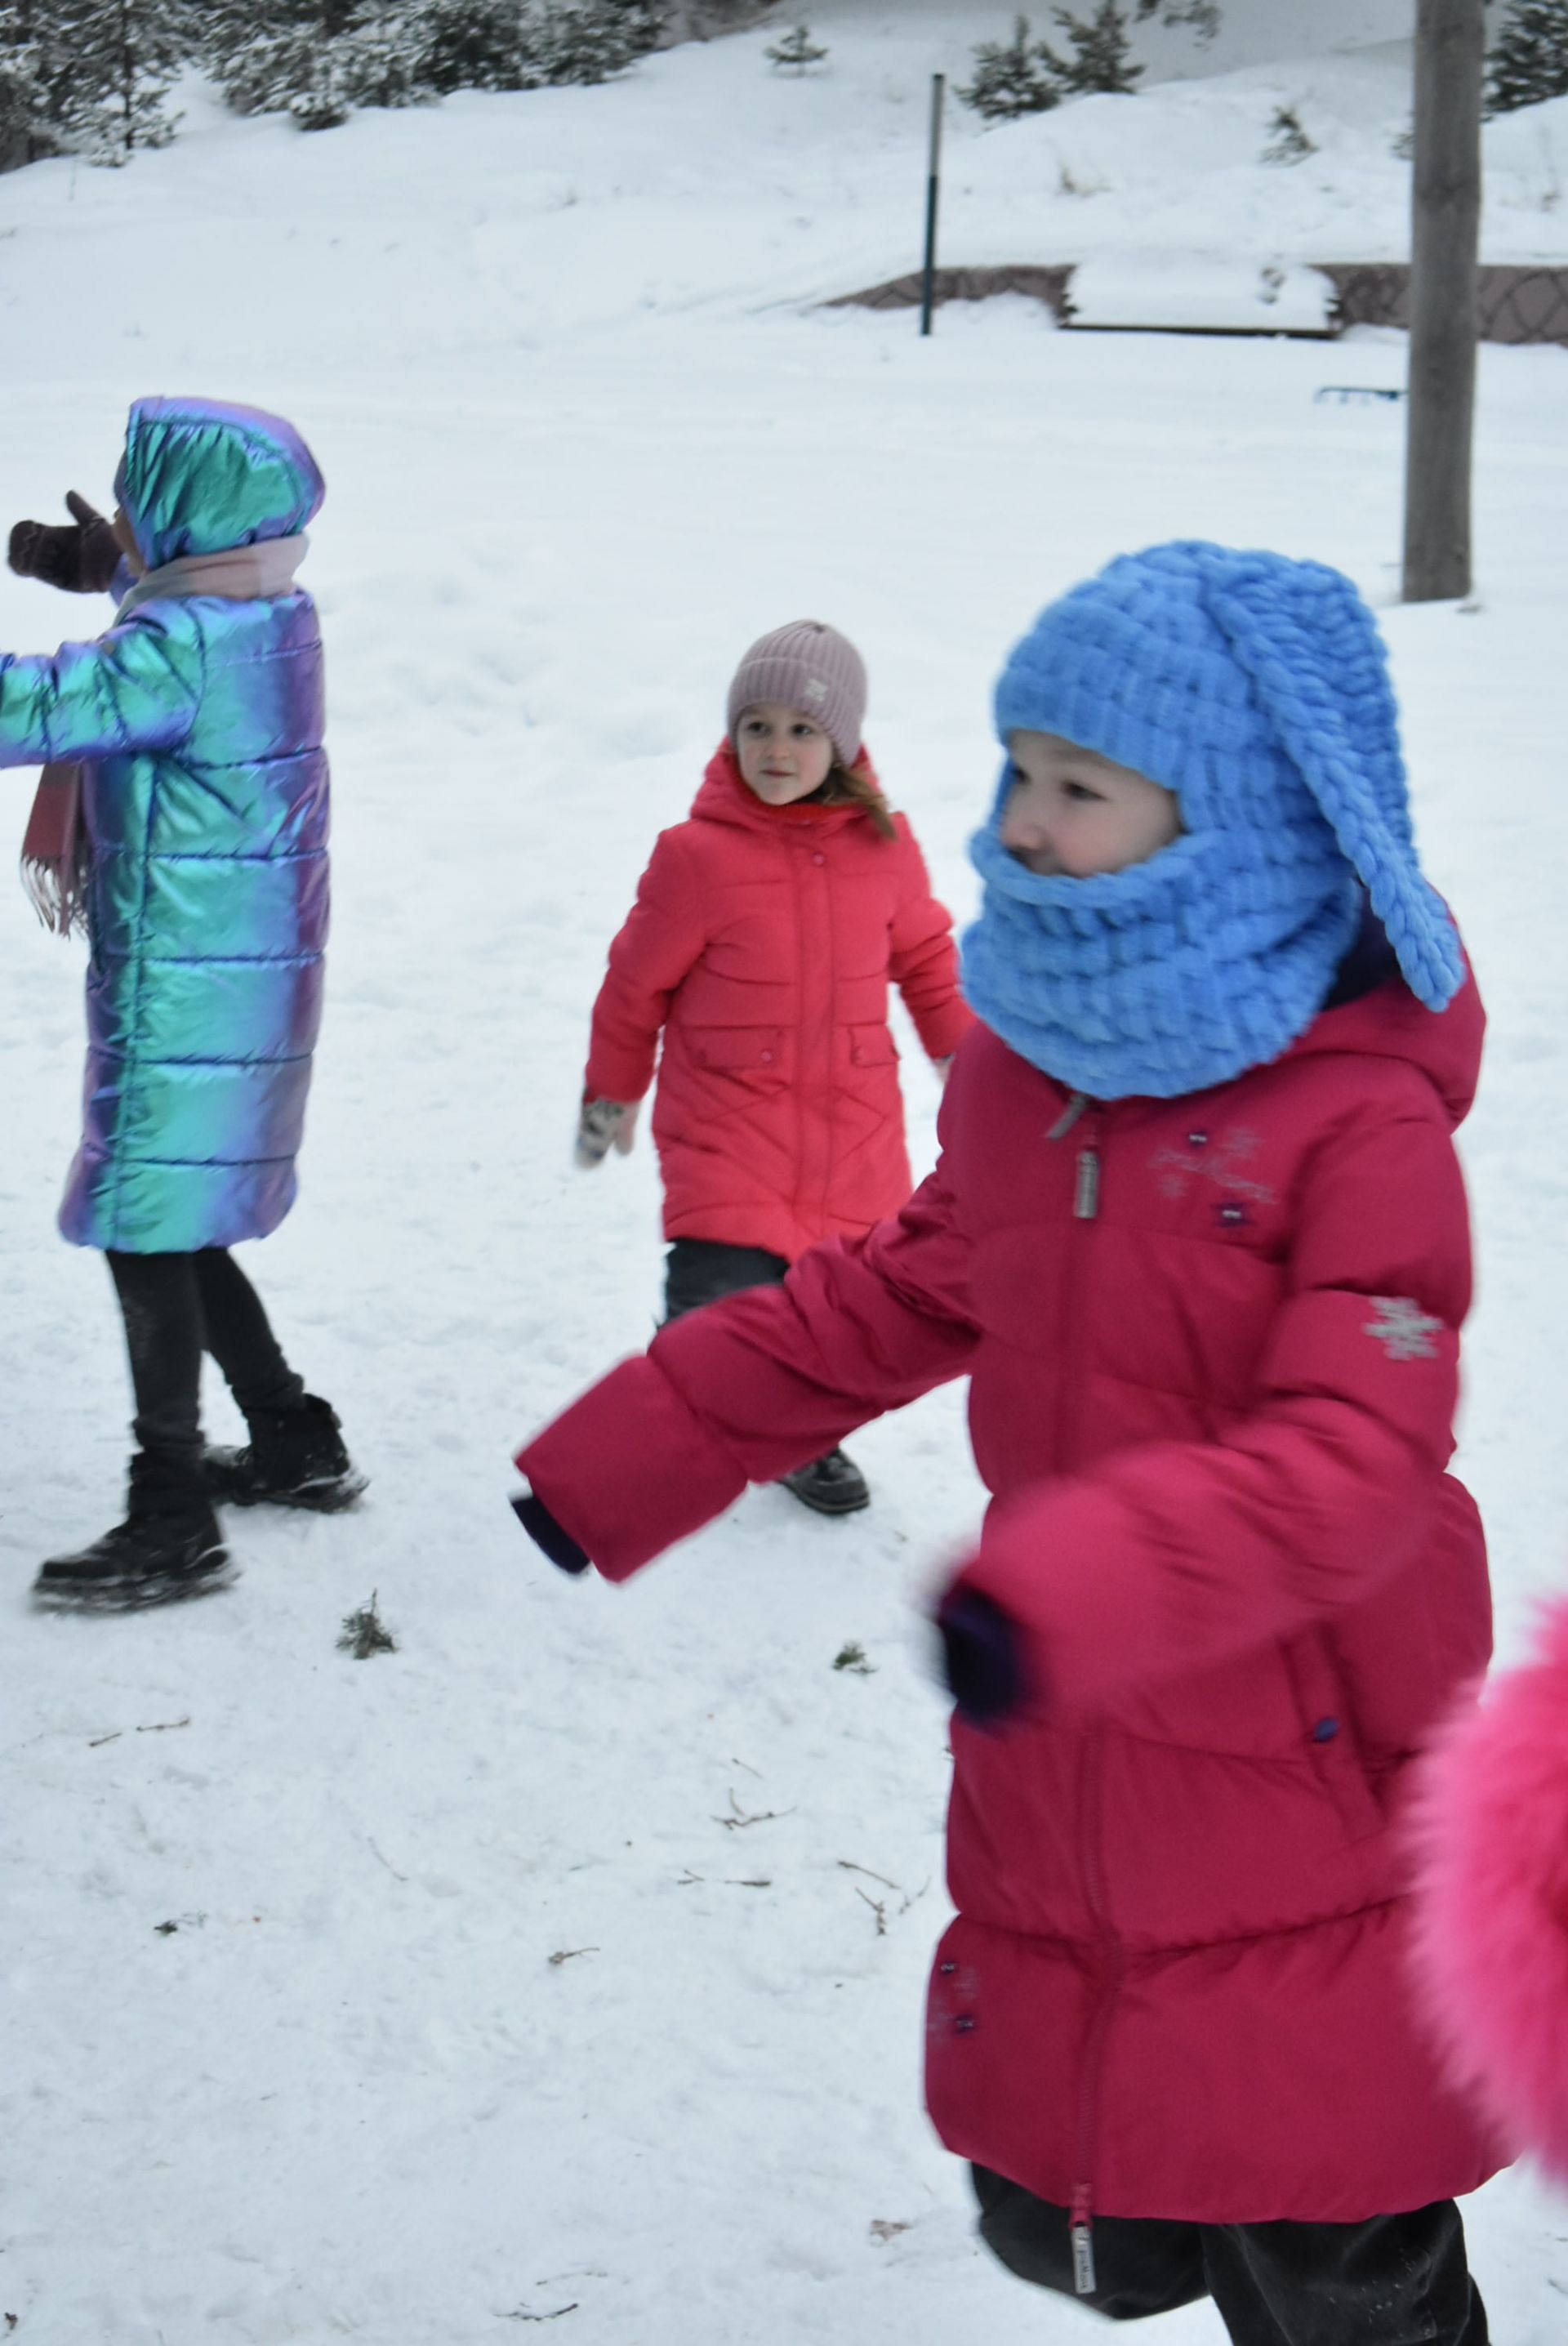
(199, 475)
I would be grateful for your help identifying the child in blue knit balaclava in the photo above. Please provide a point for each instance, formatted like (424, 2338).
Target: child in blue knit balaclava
(1204, 796)
(1197, 1239)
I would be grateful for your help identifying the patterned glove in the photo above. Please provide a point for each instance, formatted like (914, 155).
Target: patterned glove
(604, 1124)
(81, 556)
(981, 1658)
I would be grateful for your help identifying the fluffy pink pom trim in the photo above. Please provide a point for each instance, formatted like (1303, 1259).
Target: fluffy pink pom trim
(1491, 1821)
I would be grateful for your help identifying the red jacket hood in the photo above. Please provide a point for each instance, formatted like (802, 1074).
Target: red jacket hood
(723, 797)
(1389, 1023)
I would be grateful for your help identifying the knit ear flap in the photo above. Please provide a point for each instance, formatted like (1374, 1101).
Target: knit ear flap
(1319, 674)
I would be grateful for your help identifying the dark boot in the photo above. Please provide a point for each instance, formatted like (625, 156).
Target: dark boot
(833, 1485)
(169, 1547)
(294, 1458)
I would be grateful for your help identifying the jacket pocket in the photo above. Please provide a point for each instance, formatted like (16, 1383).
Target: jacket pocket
(738, 1050)
(873, 1047)
(1328, 1732)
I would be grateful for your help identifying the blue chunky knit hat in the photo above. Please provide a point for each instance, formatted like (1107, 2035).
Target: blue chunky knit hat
(1257, 688)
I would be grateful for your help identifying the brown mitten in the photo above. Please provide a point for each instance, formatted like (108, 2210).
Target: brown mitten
(81, 556)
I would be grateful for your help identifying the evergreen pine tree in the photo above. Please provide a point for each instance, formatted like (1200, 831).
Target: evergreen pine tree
(1287, 141)
(1201, 17)
(796, 51)
(24, 133)
(1101, 61)
(1529, 60)
(124, 57)
(1009, 78)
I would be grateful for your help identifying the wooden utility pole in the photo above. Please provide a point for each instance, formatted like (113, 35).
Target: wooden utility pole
(1445, 224)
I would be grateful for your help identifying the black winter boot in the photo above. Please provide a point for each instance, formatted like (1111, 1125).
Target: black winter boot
(169, 1547)
(294, 1458)
(833, 1485)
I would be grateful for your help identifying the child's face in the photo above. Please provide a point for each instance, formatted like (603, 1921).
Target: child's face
(1072, 813)
(784, 754)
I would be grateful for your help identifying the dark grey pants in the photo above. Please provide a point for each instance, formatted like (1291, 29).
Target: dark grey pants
(176, 1307)
(1395, 2281)
(699, 1270)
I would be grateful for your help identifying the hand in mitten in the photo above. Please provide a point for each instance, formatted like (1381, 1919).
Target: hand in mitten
(80, 556)
(602, 1125)
(548, 1535)
(983, 1657)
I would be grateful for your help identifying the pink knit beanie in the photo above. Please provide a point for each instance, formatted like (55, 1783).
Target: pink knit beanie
(811, 668)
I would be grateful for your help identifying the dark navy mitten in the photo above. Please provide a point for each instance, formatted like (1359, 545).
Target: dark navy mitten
(545, 1533)
(982, 1660)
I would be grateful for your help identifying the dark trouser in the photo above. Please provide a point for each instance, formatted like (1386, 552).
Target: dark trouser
(1394, 2281)
(699, 1270)
(176, 1307)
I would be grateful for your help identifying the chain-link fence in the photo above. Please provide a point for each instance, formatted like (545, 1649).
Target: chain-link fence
(1521, 304)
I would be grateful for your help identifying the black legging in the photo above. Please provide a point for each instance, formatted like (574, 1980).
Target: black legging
(176, 1307)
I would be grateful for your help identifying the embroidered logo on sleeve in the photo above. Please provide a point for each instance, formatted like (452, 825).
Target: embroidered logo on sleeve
(1403, 1328)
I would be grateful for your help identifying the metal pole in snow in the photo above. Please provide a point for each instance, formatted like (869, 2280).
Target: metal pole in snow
(933, 176)
(1450, 43)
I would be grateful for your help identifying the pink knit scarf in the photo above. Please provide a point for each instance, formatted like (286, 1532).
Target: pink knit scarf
(56, 850)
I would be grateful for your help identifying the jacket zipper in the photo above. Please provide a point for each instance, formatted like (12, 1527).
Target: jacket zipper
(1081, 2214)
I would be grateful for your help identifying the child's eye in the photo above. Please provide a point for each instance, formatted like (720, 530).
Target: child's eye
(805, 732)
(1082, 791)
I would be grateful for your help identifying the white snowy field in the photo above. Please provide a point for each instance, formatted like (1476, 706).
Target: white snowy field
(586, 435)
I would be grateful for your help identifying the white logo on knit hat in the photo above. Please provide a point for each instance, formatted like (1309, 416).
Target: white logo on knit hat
(815, 692)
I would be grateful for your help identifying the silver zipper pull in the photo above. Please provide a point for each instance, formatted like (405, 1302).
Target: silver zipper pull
(1081, 2232)
(1087, 1194)
(1068, 1118)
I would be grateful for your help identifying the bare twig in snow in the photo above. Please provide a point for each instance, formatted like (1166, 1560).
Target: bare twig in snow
(746, 1765)
(877, 1907)
(385, 1861)
(570, 1954)
(762, 1882)
(850, 1867)
(852, 1657)
(884, 2229)
(737, 1819)
(555, 2316)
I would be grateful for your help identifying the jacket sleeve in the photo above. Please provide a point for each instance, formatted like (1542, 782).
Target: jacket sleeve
(1175, 1555)
(137, 688)
(762, 1382)
(923, 961)
(663, 937)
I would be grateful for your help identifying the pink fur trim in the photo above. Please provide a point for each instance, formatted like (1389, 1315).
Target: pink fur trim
(1491, 1821)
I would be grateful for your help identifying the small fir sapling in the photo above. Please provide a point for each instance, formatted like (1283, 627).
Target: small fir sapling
(796, 51)
(1010, 80)
(364, 1632)
(1287, 140)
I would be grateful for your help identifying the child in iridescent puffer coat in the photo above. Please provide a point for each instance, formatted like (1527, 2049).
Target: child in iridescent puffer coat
(182, 822)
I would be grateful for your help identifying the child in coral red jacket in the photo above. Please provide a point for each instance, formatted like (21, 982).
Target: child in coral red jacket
(1198, 1238)
(765, 932)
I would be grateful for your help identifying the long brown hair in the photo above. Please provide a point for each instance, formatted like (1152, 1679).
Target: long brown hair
(853, 786)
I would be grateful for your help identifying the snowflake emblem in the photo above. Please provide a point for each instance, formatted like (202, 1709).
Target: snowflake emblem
(1403, 1328)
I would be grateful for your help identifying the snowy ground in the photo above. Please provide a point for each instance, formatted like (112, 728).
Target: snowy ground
(584, 439)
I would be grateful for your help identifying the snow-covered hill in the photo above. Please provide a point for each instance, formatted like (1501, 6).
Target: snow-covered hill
(587, 433)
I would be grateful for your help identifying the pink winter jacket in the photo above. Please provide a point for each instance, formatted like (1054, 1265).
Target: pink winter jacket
(1212, 1344)
(762, 943)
